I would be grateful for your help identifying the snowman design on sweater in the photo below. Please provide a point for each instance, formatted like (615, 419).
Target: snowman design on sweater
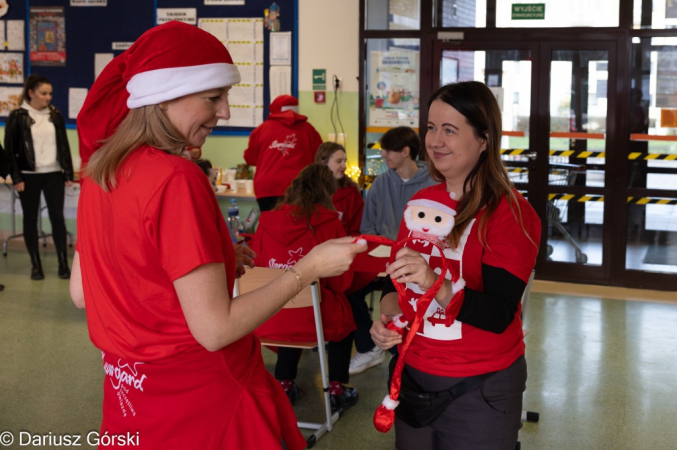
(429, 218)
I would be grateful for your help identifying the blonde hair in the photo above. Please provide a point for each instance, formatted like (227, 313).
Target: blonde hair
(148, 125)
(488, 182)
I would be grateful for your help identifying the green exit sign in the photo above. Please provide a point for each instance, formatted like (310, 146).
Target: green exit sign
(319, 79)
(528, 11)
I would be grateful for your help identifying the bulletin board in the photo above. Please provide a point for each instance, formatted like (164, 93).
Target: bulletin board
(92, 30)
(11, 89)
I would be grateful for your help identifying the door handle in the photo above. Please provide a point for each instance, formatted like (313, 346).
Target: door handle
(532, 155)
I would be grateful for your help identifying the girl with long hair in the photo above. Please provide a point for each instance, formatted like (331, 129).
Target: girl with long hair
(347, 199)
(472, 334)
(303, 220)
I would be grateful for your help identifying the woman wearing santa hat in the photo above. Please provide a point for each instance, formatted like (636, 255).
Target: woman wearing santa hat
(279, 148)
(465, 350)
(154, 264)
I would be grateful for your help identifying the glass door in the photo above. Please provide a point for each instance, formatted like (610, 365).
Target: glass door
(557, 117)
(651, 166)
(576, 110)
(508, 69)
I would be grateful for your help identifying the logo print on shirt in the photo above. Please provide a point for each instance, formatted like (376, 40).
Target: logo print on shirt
(284, 147)
(123, 376)
(294, 257)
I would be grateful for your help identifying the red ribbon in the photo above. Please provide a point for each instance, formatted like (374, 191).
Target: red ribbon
(384, 417)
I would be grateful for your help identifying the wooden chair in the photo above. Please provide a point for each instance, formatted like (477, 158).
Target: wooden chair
(310, 296)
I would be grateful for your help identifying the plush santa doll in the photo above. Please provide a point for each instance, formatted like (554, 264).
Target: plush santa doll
(428, 220)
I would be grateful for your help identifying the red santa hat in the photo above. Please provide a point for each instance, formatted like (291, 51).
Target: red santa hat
(165, 63)
(432, 204)
(284, 103)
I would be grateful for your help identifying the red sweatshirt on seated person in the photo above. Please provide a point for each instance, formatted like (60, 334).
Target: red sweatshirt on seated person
(281, 240)
(349, 205)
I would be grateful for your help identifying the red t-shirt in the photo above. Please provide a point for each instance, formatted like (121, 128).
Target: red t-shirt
(459, 349)
(161, 222)
(349, 204)
(281, 241)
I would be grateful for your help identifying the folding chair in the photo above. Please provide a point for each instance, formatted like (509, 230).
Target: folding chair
(310, 296)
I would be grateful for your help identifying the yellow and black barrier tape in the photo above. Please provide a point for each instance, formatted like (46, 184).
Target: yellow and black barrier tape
(576, 198)
(513, 151)
(652, 156)
(570, 153)
(651, 201)
(574, 154)
(600, 198)
(584, 155)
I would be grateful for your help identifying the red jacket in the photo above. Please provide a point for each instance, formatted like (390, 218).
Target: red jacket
(280, 242)
(349, 205)
(279, 148)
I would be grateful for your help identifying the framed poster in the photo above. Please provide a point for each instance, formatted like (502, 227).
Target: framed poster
(47, 30)
(393, 88)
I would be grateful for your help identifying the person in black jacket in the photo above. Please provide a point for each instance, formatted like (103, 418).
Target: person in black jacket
(36, 141)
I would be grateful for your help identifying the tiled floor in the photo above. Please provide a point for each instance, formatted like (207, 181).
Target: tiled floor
(602, 372)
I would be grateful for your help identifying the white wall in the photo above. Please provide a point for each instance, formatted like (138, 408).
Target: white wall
(329, 39)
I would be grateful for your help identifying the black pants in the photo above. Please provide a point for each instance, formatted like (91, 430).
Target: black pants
(358, 303)
(338, 354)
(267, 203)
(488, 418)
(52, 185)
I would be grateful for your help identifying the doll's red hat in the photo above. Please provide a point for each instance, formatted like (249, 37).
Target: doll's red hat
(165, 63)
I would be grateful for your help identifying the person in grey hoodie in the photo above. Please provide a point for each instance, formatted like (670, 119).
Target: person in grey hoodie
(383, 212)
(390, 191)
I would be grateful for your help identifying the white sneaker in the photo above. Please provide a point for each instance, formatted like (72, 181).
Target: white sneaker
(362, 361)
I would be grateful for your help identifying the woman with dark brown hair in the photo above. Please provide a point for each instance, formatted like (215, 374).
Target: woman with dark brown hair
(36, 141)
(304, 219)
(477, 350)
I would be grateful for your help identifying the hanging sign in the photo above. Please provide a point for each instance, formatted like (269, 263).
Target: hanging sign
(89, 2)
(187, 15)
(224, 2)
(528, 11)
(121, 46)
